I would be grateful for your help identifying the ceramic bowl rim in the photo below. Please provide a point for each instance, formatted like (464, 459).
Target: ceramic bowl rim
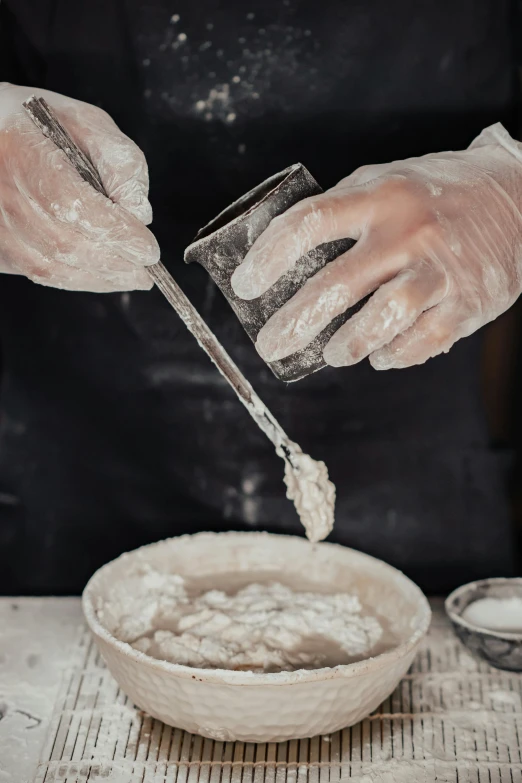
(450, 601)
(228, 677)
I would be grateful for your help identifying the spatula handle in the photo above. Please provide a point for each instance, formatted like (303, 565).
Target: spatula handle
(46, 120)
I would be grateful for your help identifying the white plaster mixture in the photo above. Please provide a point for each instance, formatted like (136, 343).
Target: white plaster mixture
(260, 628)
(306, 479)
(495, 614)
(312, 493)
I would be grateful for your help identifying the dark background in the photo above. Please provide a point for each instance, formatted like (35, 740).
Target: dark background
(107, 402)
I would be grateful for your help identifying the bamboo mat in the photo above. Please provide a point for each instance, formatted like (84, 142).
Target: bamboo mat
(452, 719)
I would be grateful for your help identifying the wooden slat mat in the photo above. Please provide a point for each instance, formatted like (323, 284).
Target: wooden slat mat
(451, 720)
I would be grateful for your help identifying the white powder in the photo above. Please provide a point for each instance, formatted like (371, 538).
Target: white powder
(495, 614)
(262, 627)
(217, 103)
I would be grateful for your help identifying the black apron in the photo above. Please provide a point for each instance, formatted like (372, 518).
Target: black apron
(116, 430)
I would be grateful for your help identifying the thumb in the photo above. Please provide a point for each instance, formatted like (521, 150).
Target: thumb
(119, 161)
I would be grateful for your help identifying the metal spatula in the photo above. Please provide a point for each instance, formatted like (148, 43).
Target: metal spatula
(49, 124)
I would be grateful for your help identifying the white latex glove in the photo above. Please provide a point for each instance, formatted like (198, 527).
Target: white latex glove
(55, 228)
(439, 244)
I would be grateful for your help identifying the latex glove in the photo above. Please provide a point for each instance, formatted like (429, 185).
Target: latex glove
(439, 245)
(55, 228)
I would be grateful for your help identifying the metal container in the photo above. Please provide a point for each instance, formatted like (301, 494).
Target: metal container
(223, 244)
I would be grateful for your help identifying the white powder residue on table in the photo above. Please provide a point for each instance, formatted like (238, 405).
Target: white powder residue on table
(261, 627)
(495, 614)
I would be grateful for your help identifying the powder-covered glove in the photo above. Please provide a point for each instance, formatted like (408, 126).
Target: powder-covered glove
(55, 228)
(439, 246)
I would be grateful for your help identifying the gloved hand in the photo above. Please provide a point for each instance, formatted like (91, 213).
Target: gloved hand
(439, 246)
(55, 228)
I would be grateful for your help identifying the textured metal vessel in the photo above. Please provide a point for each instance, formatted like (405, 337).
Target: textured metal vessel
(223, 244)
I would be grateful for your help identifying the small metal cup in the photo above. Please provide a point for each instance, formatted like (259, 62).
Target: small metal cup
(223, 244)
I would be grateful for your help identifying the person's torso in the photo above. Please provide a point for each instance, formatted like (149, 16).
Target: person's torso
(117, 429)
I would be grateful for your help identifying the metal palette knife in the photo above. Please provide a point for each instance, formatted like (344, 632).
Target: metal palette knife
(48, 123)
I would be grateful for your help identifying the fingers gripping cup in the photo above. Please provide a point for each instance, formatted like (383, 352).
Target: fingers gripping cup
(223, 244)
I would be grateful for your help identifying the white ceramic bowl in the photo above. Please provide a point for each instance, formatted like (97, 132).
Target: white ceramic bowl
(253, 707)
(502, 649)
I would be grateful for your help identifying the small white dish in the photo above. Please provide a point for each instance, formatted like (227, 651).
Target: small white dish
(500, 648)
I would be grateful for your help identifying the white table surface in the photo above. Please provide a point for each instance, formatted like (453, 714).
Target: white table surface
(452, 719)
(36, 640)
